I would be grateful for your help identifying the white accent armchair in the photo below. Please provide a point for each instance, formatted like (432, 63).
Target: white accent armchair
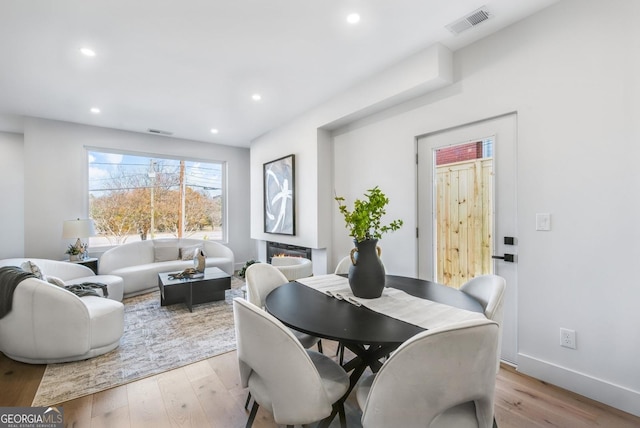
(293, 267)
(48, 324)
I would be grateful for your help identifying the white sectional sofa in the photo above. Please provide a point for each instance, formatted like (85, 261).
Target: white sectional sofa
(48, 324)
(139, 263)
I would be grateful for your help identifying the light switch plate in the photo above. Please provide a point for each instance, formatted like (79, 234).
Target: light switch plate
(543, 221)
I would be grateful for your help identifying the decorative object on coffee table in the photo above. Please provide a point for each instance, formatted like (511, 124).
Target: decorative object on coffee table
(366, 273)
(199, 260)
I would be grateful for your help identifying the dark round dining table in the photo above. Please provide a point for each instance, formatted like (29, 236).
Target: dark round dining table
(368, 334)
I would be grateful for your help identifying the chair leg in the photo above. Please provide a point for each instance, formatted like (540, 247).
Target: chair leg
(320, 346)
(341, 353)
(342, 415)
(246, 404)
(252, 415)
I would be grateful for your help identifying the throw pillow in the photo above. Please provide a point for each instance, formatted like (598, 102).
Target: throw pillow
(30, 266)
(188, 253)
(55, 281)
(165, 250)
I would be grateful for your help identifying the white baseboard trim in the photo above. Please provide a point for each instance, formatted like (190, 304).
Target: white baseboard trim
(617, 396)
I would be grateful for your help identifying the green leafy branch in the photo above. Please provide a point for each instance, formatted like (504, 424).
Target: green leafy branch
(365, 221)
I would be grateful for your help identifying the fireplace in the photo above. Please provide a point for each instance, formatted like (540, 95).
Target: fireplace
(280, 249)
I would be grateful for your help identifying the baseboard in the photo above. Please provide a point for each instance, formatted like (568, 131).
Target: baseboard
(594, 388)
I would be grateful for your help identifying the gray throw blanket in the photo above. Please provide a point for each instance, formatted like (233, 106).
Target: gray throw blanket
(88, 289)
(10, 277)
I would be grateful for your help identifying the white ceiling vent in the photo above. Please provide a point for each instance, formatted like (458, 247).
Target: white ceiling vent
(471, 20)
(159, 131)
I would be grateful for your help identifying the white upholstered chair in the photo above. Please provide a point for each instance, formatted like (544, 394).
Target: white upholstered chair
(293, 267)
(489, 290)
(343, 266)
(262, 279)
(48, 324)
(443, 377)
(297, 386)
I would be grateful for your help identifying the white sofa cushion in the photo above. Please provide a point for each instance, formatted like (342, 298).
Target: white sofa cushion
(165, 250)
(189, 252)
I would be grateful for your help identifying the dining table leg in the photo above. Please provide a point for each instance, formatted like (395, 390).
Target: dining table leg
(366, 356)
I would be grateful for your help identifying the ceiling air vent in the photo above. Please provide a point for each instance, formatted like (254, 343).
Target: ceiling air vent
(159, 131)
(471, 20)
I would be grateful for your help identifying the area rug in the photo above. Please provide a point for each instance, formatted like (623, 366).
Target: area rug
(156, 339)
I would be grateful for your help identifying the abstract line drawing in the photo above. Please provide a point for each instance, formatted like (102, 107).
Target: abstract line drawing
(279, 212)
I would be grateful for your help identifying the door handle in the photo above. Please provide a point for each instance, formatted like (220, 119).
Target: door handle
(507, 258)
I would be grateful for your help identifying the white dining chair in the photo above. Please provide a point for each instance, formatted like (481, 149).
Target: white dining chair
(262, 279)
(489, 290)
(343, 266)
(297, 386)
(441, 378)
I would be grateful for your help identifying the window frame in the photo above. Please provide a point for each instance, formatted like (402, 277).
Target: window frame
(223, 184)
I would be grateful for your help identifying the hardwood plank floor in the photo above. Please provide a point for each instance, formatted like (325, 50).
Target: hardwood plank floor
(208, 394)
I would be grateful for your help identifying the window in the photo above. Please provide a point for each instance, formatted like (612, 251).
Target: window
(134, 197)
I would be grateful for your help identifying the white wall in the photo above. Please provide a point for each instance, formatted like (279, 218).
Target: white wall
(572, 73)
(55, 179)
(308, 137)
(12, 193)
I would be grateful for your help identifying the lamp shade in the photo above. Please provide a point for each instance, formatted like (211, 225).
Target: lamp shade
(72, 229)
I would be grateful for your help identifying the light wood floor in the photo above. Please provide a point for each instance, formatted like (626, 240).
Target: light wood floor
(207, 394)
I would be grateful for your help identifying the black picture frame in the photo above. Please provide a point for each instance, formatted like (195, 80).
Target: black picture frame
(279, 196)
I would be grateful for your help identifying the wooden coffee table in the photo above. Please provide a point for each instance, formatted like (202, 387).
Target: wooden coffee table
(191, 291)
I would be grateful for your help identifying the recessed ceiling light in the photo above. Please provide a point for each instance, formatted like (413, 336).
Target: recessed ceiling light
(214, 131)
(87, 52)
(256, 97)
(95, 110)
(353, 18)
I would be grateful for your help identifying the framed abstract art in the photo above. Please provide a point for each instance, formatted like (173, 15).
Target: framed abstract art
(279, 196)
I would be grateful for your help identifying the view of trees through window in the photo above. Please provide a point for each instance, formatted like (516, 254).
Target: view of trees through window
(134, 198)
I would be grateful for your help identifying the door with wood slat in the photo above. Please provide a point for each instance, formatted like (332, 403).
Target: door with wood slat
(464, 220)
(466, 206)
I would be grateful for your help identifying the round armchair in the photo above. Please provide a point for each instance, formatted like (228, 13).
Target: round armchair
(293, 267)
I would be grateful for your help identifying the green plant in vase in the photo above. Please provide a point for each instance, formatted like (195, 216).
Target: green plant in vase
(364, 221)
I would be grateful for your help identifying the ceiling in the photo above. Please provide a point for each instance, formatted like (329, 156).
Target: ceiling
(187, 66)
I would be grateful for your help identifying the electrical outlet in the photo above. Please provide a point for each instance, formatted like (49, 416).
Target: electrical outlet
(568, 338)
